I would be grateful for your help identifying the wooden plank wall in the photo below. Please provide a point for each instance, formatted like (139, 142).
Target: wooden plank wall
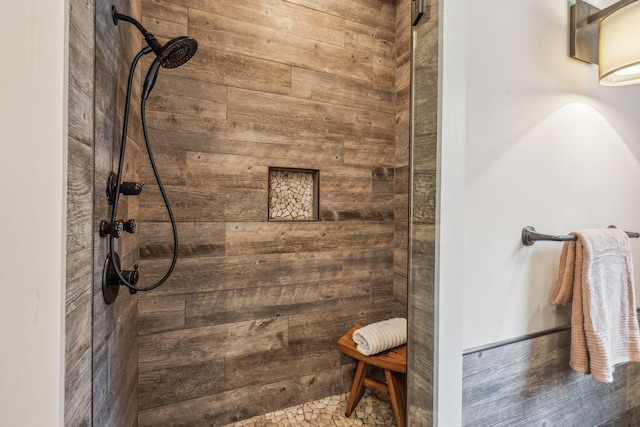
(402, 142)
(530, 383)
(115, 354)
(421, 292)
(248, 322)
(79, 251)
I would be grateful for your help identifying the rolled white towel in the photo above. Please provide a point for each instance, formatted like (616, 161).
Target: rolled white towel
(381, 336)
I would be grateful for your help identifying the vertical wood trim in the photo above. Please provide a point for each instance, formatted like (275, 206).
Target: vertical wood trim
(79, 250)
(424, 95)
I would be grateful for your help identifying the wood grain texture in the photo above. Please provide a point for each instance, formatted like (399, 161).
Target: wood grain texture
(276, 15)
(367, 151)
(169, 19)
(196, 345)
(196, 239)
(530, 382)
(422, 284)
(115, 364)
(242, 138)
(401, 80)
(255, 307)
(241, 71)
(234, 34)
(324, 87)
(241, 403)
(79, 248)
(209, 274)
(187, 96)
(278, 110)
(178, 383)
(255, 238)
(251, 303)
(376, 13)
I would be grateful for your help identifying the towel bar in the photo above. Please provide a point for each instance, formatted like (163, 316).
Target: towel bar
(530, 236)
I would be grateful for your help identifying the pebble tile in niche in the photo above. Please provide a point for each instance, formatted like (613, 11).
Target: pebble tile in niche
(291, 195)
(373, 410)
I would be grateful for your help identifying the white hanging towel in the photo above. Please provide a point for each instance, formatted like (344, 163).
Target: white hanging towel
(380, 336)
(596, 276)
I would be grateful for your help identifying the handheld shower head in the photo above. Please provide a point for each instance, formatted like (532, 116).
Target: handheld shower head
(176, 52)
(173, 54)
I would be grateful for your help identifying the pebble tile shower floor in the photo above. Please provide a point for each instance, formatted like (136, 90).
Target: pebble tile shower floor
(374, 409)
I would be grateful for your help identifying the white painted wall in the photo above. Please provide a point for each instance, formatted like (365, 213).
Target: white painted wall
(546, 146)
(32, 211)
(450, 214)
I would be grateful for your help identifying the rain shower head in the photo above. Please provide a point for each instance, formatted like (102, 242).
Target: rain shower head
(176, 52)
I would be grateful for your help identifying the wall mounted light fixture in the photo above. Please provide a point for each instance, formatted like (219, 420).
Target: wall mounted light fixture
(610, 38)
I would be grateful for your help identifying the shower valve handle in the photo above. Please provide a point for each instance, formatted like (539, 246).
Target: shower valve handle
(133, 278)
(130, 226)
(126, 188)
(114, 229)
(131, 188)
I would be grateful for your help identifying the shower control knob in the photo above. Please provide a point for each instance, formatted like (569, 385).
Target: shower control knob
(133, 277)
(130, 226)
(131, 188)
(126, 188)
(114, 229)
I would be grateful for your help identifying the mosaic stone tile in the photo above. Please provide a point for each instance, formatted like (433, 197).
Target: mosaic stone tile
(374, 409)
(291, 195)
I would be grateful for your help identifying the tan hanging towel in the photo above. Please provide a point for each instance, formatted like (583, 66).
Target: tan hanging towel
(596, 277)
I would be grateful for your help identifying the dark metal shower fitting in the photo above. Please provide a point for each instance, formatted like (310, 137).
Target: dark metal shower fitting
(174, 53)
(111, 282)
(126, 188)
(117, 227)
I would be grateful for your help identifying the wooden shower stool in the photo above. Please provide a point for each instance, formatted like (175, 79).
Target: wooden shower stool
(394, 364)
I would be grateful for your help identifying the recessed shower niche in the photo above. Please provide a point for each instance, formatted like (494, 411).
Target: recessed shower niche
(293, 194)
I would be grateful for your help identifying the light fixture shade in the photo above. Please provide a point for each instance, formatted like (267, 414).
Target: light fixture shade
(619, 47)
